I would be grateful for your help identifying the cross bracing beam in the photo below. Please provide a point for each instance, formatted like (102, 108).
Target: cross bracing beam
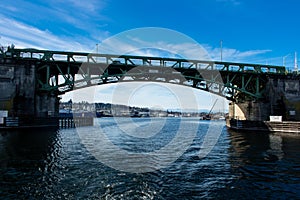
(77, 70)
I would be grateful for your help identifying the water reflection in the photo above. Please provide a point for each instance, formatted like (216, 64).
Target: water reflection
(25, 157)
(20, 146)
(53, 165)
(250, 147)
(265, 163)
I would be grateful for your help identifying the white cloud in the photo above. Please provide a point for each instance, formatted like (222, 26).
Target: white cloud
(152, 41)
(235, 55)
(232, 2)
(188, 50)
(252, 53)
(25, 36)
(7, 7)
(89, 6)
(70, 20)
(135, 42)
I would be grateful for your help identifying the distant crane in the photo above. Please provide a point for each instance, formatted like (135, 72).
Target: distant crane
(207, 116)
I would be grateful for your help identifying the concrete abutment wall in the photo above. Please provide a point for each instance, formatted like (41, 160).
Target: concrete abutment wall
(18, 94)
(282, 99)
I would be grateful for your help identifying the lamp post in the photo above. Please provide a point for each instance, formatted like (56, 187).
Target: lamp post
(97, 52)
(221, 49)
(296, 63)
(283, 59)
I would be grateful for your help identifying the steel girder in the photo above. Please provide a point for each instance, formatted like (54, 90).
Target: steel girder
(60, 72)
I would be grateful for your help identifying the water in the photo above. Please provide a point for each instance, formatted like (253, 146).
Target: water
(60, 165)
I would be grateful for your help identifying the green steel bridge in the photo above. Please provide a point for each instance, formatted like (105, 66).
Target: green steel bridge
(58, 72)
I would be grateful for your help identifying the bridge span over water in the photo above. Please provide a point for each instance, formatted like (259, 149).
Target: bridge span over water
(31, 80)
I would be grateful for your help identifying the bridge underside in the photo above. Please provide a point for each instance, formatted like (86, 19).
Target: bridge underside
(38, 76)
(64, 71)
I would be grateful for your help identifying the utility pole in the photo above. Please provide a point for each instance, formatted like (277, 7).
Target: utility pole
(283, 59)
(97, 52)
(296, 63)
(221, 48)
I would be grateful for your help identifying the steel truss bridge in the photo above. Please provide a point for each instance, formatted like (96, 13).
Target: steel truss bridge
(58, 72)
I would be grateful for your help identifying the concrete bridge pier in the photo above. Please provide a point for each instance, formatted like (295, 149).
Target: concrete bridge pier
(20, 102)
(282, 99)
(46, 105)
(250, 110)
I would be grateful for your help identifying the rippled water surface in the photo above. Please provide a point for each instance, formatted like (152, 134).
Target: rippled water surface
(61, 164)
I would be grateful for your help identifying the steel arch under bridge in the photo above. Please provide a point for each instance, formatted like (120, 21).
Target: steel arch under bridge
(59, 72)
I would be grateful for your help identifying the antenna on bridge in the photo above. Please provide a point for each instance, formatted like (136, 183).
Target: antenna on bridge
(296, 63)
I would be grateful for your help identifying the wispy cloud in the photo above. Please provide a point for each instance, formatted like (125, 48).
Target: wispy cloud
(232, 2)
(235, 55)
(8, 7)
(88, 17)
(134, 43)
(23, 35)
(82, 21)
(151, 41)
(90, 6)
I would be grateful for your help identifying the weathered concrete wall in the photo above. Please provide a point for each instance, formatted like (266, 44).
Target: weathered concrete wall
(285, 97)
(17, 89)
(18, 93)
(46, 105)
(24, 81)
(7, 87)
(249, 110)
(292, 100)
(282, 99)
(235, 112)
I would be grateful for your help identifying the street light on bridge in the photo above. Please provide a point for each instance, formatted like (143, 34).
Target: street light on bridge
(295, 63)
(97, 52)
(221, 48)
(283, 59)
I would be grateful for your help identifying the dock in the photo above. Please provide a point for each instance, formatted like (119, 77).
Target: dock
(264, 126)
(18, 123)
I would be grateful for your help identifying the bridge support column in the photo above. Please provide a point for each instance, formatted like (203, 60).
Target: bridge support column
(249, 115)
(250, 110)
(20, 101)
(281, 99)
(17, 89)
(46, 105)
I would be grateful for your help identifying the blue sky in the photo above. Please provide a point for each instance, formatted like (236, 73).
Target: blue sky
(251, 30)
